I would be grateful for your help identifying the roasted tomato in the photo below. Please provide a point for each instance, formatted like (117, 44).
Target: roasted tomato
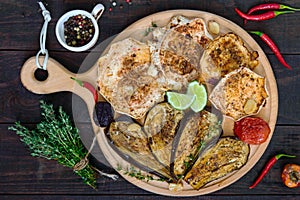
(291, 175)
(252, 130)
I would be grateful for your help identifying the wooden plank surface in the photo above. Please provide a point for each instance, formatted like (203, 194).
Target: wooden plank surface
(26, 177)
(105, 197)
(28, 20)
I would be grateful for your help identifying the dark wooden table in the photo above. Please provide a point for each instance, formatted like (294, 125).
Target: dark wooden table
(26, 177)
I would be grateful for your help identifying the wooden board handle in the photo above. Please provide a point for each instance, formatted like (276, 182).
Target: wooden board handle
(58, 80)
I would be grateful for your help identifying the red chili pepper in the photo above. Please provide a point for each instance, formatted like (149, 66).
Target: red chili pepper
(268, 166)
(270, 6)
(88, 86)
(273, 47)
(263, 16)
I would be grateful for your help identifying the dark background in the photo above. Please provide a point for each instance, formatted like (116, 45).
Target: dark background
(26, 177)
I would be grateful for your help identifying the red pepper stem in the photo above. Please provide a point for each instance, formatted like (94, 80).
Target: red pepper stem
(256, 33)
(288, 8)
(278, 156)
(277, 12)
(77, 81)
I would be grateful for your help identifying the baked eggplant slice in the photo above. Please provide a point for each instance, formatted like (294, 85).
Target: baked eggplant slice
(161, 125)
(130, 141)
(196, 134)
(227, 155)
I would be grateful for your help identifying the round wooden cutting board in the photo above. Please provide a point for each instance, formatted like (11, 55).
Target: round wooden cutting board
(59, 80)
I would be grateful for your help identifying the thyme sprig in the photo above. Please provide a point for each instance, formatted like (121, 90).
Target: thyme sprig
(55, 138)
(136, 173)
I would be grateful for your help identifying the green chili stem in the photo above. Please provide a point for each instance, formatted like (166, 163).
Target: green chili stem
(277, 12)
(78, 81)
(288, 7)
(256, 33)
(278, 156)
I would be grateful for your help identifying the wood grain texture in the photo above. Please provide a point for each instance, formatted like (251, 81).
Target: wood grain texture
(29, 175)
(58, 80)
(28, 20)
(145, 197)
(26, 177)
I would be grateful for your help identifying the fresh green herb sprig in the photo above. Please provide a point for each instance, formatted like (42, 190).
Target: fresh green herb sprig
(150, 28)
(56, 138)
(133, 172)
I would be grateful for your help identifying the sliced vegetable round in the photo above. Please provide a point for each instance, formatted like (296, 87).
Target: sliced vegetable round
(180, 101)
(194, 88)
(252, 130)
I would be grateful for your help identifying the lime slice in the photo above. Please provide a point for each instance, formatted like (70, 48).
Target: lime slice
(194, 88)
(180, 101)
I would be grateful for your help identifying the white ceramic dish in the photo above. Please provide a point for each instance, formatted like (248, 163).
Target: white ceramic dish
(94, 16)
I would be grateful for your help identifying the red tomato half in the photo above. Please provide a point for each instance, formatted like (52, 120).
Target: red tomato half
(252, 130)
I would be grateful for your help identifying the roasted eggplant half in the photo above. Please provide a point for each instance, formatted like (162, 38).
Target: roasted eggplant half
(196, 134)
(227, 155)
(161, 125)
(131, 143)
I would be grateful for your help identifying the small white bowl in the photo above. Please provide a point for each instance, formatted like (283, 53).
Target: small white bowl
(94, 16)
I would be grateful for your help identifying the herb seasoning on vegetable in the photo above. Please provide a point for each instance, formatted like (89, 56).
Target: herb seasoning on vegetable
(273, 47)
(268, 166)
